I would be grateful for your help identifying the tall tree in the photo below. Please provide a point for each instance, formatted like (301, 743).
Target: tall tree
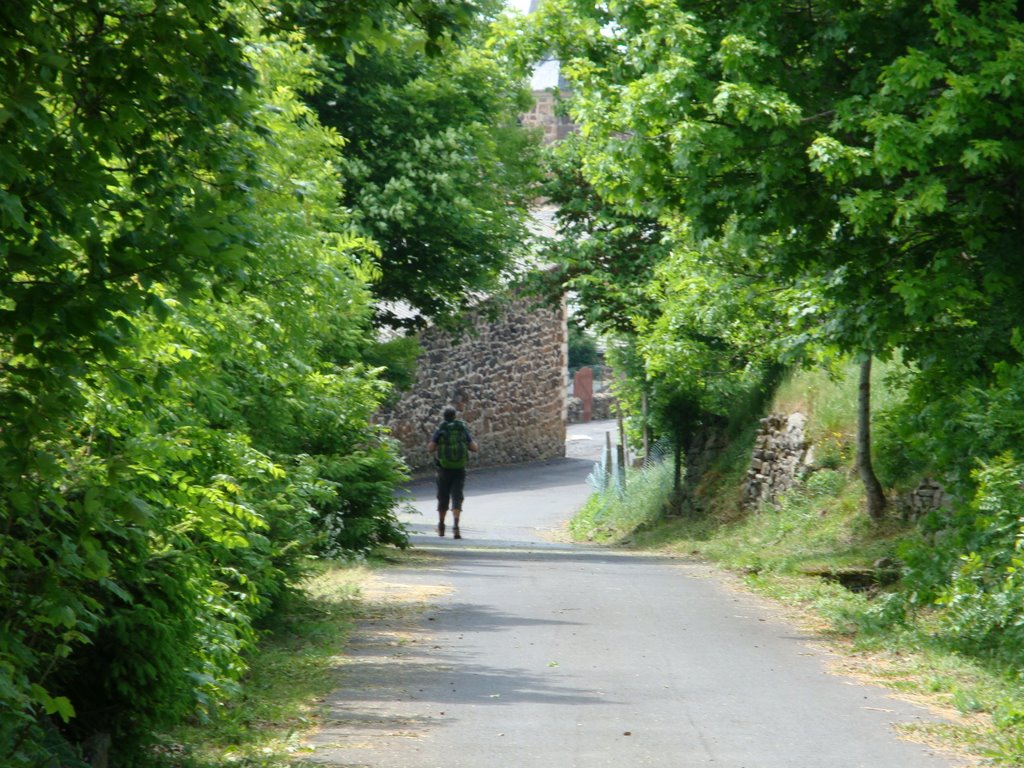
(182, 423)
(602, 253)
(862, 149)
(116, 173)
(438, 171)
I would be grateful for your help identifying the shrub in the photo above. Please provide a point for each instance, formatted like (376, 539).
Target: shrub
(984, 601)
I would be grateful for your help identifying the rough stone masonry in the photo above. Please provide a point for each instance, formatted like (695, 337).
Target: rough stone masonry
(782, 455)
(506, 375)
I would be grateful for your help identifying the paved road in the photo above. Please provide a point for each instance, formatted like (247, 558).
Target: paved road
(533, 653)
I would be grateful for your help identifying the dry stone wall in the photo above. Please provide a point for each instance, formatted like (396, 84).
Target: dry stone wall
(506, 376)
(705, 448)
(782, 455)
(928, 496)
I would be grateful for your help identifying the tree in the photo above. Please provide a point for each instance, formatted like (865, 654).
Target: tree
(861, 150)
(865, 467)
(438, 172)
(115, 167)
(604, 255)
(185, 420)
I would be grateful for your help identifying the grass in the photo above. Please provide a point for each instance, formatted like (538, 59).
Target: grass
(611, 516)
(293, 672)
(299, 665)
(820, 527)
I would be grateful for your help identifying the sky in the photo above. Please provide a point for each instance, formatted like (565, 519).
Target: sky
(546, 75)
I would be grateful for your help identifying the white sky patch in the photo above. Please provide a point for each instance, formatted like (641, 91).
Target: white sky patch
(545, 74)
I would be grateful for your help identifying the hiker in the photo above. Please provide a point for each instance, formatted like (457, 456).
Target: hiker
(451, 443)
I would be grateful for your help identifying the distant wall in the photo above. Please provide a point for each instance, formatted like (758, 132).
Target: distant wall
(507, 378)
(542, 115)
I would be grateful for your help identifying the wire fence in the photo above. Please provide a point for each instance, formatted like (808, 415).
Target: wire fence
(610, 472)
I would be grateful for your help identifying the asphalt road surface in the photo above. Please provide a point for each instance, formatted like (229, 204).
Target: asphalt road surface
(529, 652)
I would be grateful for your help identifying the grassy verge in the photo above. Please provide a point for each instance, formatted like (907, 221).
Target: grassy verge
(296, 668)
(822, 528)
(611, 516)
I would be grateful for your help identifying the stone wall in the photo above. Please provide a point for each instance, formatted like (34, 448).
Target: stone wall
(927, 497)
(704, 450)
(781, 457)
(506, 376)
(603, 406)
(542, 115)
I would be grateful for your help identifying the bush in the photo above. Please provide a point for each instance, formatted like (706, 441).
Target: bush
(984, 601)
(159, 494)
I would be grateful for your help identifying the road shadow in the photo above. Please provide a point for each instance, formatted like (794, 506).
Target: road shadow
(401, 678)
(535, 476)
(510, 554)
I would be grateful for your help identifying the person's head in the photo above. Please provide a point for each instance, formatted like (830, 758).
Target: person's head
(449, 413)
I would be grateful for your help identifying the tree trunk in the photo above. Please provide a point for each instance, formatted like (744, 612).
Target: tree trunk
(677, 478)
(873, 488)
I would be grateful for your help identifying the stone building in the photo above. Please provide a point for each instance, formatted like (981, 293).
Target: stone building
(543, 116)
(506, 375)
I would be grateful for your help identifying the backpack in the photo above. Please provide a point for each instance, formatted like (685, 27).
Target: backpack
(453, 445)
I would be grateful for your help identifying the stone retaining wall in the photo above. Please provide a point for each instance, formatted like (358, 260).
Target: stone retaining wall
(506, 376)
(927, 497)
(704, 450)
(781, 457)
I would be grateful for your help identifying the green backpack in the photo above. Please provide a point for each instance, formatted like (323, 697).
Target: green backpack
(453, 445)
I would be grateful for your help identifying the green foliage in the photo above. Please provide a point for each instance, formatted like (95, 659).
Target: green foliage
(716, 337)
(294, 665)
(183, 423)
(836, 150)
(966, 558)
(437, 170)
(603, 254)
(396, 358)
(119, 180)
(978, 575)
(854, 162)
(583, 350)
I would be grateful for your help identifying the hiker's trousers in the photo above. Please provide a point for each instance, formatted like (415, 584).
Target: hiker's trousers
(451, 484)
